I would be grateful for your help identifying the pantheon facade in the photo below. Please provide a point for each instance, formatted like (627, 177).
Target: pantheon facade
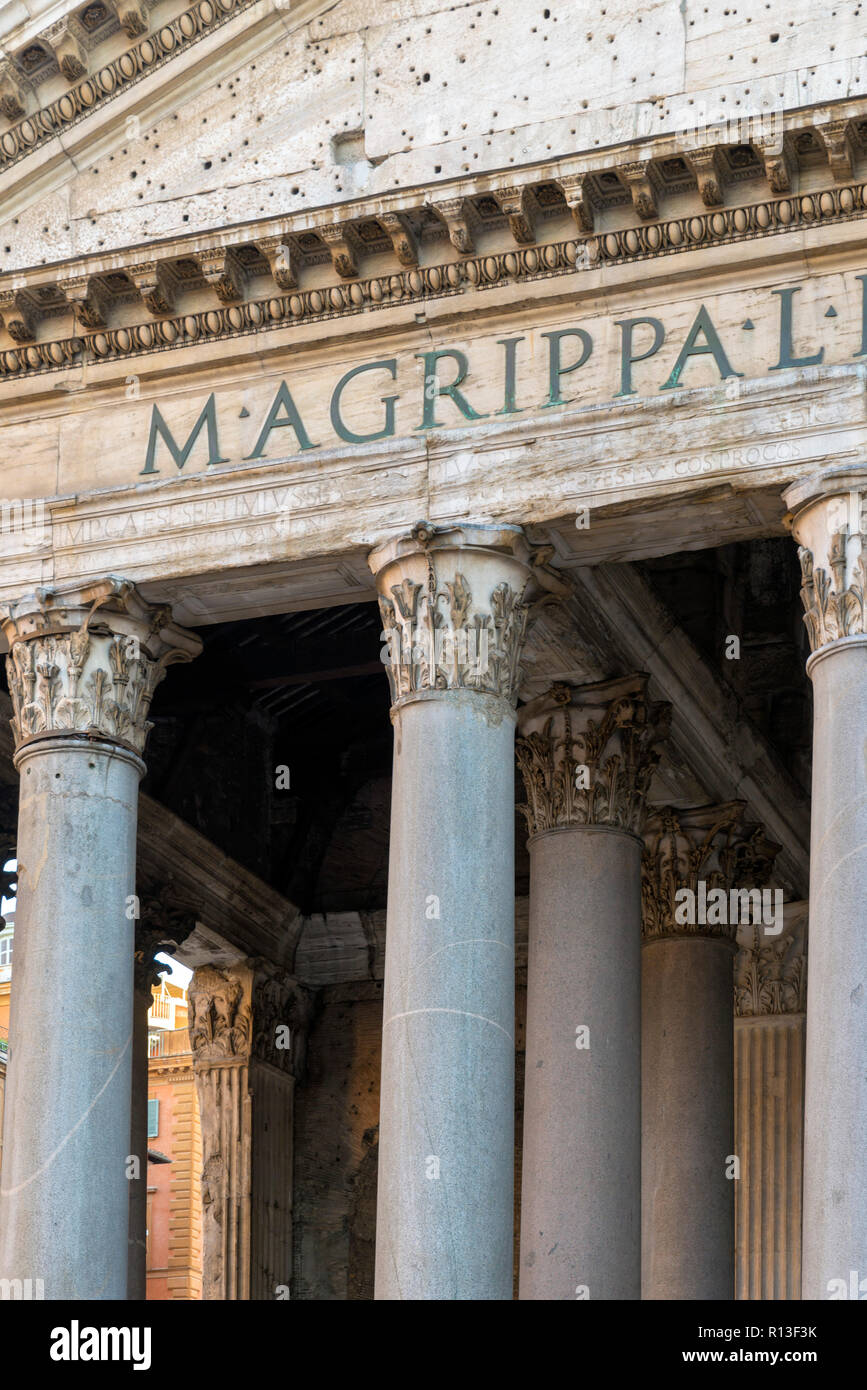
(433, 462)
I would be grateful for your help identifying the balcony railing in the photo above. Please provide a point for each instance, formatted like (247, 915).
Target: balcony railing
(162, 1007)
(169, 1042)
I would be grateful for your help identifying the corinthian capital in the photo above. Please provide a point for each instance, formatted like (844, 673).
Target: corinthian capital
(455, 601)
(828, 518)
(282, 1013)
(701, 871)
(220, 1003)
(86, 660)
(587, 754)
(771, 972)
(252, 1011)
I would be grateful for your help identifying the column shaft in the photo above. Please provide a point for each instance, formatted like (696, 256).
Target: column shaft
(455, 605)
(688, 1088)
(82, 668)
(829, 520)
(581, 1184)
(64, 1200)
(835, 1128)
(138, 1148)
(445, 1187)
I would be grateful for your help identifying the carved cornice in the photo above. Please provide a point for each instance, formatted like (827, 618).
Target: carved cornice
(455, 601)
(253, 1011)
(711, 846)
(587, 754)
(98, 88)
(771, 976)
(362, 295)
(87, 661)
(829, 519)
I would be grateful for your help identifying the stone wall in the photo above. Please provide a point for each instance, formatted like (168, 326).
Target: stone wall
(336, 1138)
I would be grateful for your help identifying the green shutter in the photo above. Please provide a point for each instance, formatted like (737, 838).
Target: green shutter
(153, 1119)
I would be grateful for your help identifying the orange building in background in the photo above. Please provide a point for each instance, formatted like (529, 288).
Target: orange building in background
(174, 1218)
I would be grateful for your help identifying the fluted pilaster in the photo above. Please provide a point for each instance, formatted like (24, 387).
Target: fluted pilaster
(248, 1028)
(770, 1000)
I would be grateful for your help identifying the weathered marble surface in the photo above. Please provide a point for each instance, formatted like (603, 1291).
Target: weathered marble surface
(426, 92)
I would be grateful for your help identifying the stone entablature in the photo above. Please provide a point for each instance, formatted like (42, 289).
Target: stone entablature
(95, 294)
(309, 519)
(362, 68)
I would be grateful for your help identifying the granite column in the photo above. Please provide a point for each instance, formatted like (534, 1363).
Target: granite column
(587, 755)
(455, 604)
(829, 521)
(82, 667)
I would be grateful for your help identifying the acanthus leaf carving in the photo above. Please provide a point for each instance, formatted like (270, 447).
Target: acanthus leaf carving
(639, 181)
(282, 1013)
(711, 846)
(402, 236)
(341, 250)
(770, 976)
(834, 608)
(87, 661)
(220, 1022)
(587, 754)
(453, 212)
(455, 602)
(281, 261)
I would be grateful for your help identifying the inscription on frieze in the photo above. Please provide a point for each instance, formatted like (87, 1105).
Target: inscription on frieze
(588, 362)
